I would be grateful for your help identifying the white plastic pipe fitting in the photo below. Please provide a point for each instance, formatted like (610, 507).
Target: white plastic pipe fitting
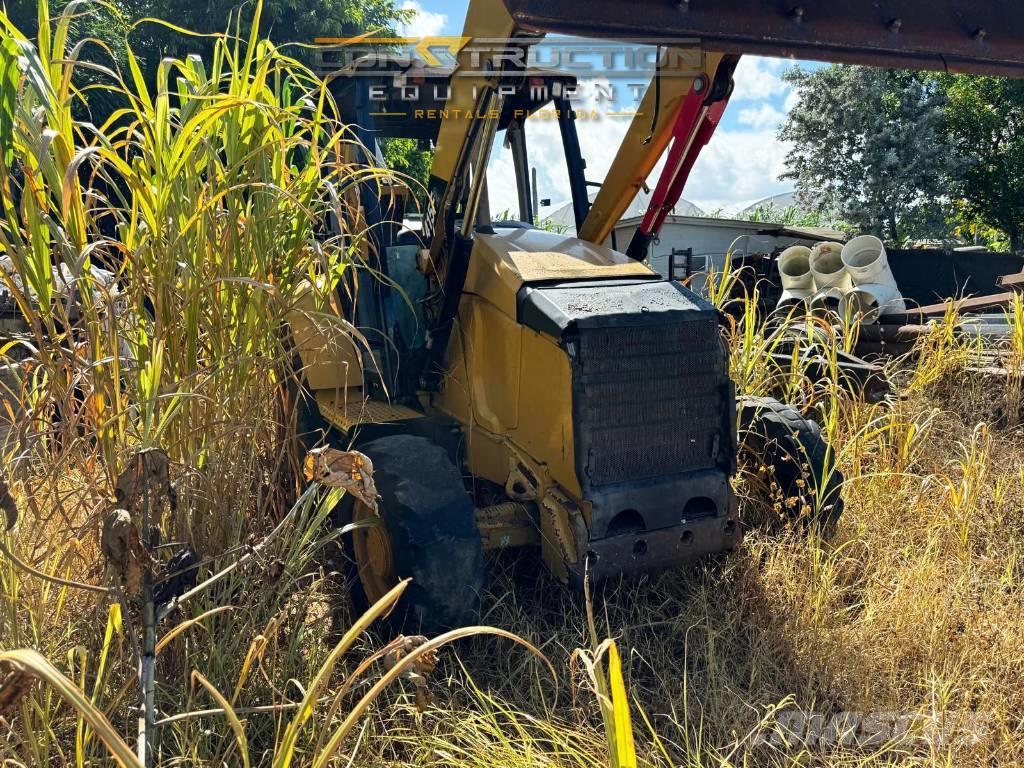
(871, 301)
(795, 267)
(875, 291)
(827, 268)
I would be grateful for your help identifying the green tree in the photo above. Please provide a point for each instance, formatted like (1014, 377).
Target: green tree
(283, 22)
(406, 157)
(109, 23)
(986, 123)
(791, 215)
(870, 147)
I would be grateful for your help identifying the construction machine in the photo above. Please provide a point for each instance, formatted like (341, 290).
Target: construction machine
(517, 387)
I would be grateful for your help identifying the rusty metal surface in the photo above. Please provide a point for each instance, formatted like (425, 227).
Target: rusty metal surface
(1014, 282)
(978, 36)
(963, 305)
(631, 554)
(346, 411)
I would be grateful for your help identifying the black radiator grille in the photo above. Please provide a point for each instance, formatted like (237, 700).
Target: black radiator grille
(648, 399)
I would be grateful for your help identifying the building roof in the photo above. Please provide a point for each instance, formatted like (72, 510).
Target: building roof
(563, 217)
(781, 200)
(819, 234)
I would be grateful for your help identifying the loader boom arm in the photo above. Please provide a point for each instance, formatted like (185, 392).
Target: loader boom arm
(674, 93)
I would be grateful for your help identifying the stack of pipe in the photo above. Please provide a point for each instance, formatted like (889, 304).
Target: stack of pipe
(847, 279)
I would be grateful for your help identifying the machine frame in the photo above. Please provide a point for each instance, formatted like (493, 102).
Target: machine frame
(522, 328)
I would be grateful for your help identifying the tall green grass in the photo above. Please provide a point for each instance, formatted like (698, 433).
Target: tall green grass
(206, 196)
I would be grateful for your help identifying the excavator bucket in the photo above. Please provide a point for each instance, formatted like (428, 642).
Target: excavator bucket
(972, 36)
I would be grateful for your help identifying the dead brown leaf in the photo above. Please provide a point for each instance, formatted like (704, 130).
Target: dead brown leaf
(350, 470)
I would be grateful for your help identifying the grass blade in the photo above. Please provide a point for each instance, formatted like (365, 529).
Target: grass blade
(33, 663)
(406, 662)
(624, 750)
(233, 721)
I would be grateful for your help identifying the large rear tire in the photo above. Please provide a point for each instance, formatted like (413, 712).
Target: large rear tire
(787, 451)
(426, 531)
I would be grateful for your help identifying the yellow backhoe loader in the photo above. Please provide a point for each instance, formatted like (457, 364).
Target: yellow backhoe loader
(520, 387)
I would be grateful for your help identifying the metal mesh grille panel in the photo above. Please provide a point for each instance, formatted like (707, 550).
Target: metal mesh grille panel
(649, 399)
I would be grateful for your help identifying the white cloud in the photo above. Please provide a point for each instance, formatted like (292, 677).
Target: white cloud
(758, 77)
(599, 140)
(424, 23)
(763, 116)
(738, 166)
(501, 183)
(791, 100)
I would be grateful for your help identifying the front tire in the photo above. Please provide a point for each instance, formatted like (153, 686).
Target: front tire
(787, 452)
(426, 531)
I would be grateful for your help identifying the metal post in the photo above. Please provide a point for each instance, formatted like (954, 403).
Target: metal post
(147, 661)
(536, 198)
(575, 164)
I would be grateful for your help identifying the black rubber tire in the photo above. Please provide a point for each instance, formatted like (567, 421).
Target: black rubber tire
(431, 525)
(778, 436)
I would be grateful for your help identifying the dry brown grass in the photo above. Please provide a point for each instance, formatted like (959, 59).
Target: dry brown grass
(913, 606)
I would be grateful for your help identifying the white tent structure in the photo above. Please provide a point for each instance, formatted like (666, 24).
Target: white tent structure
(780, 201)
(562, 218)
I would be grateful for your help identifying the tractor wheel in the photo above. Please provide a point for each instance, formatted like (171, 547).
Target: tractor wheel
(787, 452)
(426, 530)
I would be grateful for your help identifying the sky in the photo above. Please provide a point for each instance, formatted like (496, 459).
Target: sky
(739, 166)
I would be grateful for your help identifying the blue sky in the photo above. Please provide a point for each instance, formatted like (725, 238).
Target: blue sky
(740, 165)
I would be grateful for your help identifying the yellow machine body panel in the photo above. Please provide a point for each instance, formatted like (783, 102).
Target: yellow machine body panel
(510, 385)
(330, 359)
(545, 430)
(514, 405)
(501, 264)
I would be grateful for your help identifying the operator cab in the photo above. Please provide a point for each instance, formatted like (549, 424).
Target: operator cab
(385, 98)
(402, 99)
